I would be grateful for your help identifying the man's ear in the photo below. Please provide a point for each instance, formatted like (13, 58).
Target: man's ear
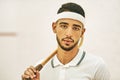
(54, 27)
(83, 31)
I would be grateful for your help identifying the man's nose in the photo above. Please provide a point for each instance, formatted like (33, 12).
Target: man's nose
(69, 32)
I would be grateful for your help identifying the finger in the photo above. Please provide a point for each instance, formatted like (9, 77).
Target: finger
(32, 73)
(33, 69)
(37, 75)
(24, 77)
(28, 73)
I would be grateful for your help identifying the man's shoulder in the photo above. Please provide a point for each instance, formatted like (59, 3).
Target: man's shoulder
(92, 58)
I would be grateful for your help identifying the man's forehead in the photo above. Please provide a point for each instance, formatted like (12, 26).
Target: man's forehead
(69, 21)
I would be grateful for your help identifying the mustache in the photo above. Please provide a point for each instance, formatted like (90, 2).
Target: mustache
(68, 38)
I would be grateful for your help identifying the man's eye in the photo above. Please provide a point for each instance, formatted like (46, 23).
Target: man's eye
(76, 28)
(63, 26)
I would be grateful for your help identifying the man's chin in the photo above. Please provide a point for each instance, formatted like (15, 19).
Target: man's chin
(66, 48)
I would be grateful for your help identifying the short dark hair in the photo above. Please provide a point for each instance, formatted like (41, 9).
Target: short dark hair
(72, 7)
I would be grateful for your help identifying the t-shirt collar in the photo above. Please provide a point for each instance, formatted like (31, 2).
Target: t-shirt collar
(55, 62)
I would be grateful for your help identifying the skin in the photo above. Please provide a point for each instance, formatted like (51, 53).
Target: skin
(31, 73)
(68, 32)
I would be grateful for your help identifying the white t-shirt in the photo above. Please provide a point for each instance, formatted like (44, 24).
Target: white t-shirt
(84, 66)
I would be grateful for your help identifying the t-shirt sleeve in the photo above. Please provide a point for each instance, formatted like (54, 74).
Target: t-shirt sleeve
(102, 72)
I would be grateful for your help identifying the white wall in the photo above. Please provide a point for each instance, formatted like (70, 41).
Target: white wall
(26, 35)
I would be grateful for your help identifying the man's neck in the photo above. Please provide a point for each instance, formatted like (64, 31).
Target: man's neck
(66, 56)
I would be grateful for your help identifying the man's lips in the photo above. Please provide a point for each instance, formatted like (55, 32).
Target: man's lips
(68, 40)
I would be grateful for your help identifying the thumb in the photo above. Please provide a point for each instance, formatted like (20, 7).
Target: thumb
(37, 75)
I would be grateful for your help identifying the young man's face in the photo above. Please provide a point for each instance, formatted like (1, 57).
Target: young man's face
(68, 33)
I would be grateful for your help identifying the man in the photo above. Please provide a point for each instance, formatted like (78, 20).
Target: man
(70, 62)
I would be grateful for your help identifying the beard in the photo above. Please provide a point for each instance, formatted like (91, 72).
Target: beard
(66, 48)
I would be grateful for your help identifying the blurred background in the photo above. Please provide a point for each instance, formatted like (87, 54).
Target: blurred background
(26, 35)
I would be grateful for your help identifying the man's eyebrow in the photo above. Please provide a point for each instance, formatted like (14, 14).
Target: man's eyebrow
(77, 25)
(63, 23)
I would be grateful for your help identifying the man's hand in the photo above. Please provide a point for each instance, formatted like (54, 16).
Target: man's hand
(31, 74)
